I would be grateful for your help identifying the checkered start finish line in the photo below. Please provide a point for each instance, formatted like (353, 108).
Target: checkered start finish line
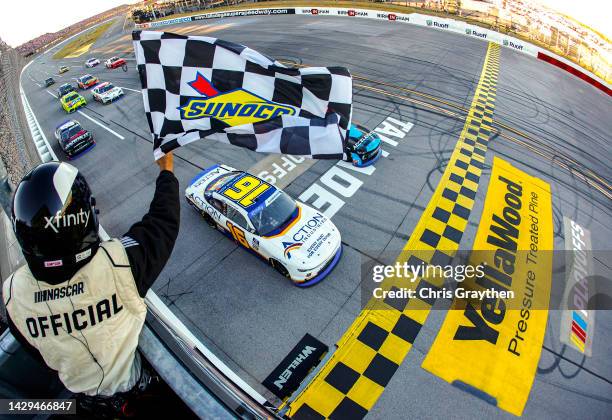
(375, 345)
(196, 87)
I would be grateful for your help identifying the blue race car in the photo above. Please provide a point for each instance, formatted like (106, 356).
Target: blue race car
(363, 146)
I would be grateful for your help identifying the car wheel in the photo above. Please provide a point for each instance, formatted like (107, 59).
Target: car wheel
(209, 220)
(278, 266)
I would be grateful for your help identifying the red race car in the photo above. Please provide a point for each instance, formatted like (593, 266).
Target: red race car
(114, 62)
(87, 81)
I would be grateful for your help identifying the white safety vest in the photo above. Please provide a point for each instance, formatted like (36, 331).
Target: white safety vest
(98, 313)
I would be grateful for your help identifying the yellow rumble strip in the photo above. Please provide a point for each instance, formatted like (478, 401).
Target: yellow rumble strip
(377, 342)
(492, 347)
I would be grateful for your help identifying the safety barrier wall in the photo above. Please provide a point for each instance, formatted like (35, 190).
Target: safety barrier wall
(43, 148)
(45, 152)
(434, 22)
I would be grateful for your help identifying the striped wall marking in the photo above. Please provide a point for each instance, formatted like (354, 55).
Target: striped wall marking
(374, 346)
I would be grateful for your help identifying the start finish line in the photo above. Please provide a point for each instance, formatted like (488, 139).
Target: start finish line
(493, 346)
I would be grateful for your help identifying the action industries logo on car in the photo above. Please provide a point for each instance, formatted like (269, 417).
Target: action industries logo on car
(291, 246)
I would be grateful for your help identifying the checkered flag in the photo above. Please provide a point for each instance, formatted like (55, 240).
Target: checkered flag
(197, 87)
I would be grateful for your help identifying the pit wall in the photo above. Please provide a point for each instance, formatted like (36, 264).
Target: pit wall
(434, 22)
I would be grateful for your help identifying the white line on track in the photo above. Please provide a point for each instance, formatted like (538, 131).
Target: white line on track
(101, 125)
(133, 90)
(52, 94)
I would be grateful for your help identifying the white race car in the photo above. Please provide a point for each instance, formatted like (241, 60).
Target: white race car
(106, 92)
(298, 241)
(92, 62)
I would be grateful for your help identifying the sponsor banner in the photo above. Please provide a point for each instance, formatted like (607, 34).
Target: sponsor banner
(216, 15)
(577, 320)
(248, 12)
(315, 11)
(438, 23)
(518, 45)
(392, 17)
(333, 11)
(169, 22)
(483, 346)
(482, 33)
(414, 18)
(290, 373)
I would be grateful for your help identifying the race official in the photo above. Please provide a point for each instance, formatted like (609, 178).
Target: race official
(78, 303)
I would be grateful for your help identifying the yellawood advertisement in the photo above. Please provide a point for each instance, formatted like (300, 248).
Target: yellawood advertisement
(492, 346)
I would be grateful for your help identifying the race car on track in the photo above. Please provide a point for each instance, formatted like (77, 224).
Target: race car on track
(106, 92)
(49, 81)
(92, 62)
(86, 81)
(114, 62)
(363, 146)
(298, 241)
(65, 89)
(74, 139)
(72, 101)
(63, 69)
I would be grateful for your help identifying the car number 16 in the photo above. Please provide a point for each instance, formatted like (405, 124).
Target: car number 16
(246, 190)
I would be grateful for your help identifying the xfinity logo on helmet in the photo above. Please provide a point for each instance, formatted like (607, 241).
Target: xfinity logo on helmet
(67, 220)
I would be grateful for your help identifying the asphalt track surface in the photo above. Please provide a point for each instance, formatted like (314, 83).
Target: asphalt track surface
(248, 314)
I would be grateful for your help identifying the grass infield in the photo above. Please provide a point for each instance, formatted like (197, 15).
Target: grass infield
(81, 44)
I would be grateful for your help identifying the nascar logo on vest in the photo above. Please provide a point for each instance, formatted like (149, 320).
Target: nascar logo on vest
(199, 87)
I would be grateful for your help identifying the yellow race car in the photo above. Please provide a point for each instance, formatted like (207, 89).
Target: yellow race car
(72, 101)
(63, 69)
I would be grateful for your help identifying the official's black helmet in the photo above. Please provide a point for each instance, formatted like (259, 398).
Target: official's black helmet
(55, 219)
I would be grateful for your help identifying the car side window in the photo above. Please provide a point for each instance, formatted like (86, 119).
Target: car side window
(236, 217)
(219, 205)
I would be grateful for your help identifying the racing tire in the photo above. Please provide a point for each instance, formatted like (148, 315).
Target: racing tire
(208, 220)
(278, 266)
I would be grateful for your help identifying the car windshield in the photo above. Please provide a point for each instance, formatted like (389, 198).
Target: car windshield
(106, 88)
(72, 97)
(49, 80)
(66, 134)
(274, 213)
(86, 78)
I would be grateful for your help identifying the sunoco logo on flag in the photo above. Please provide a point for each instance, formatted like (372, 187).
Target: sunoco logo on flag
(234, 108)
(196, 87)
